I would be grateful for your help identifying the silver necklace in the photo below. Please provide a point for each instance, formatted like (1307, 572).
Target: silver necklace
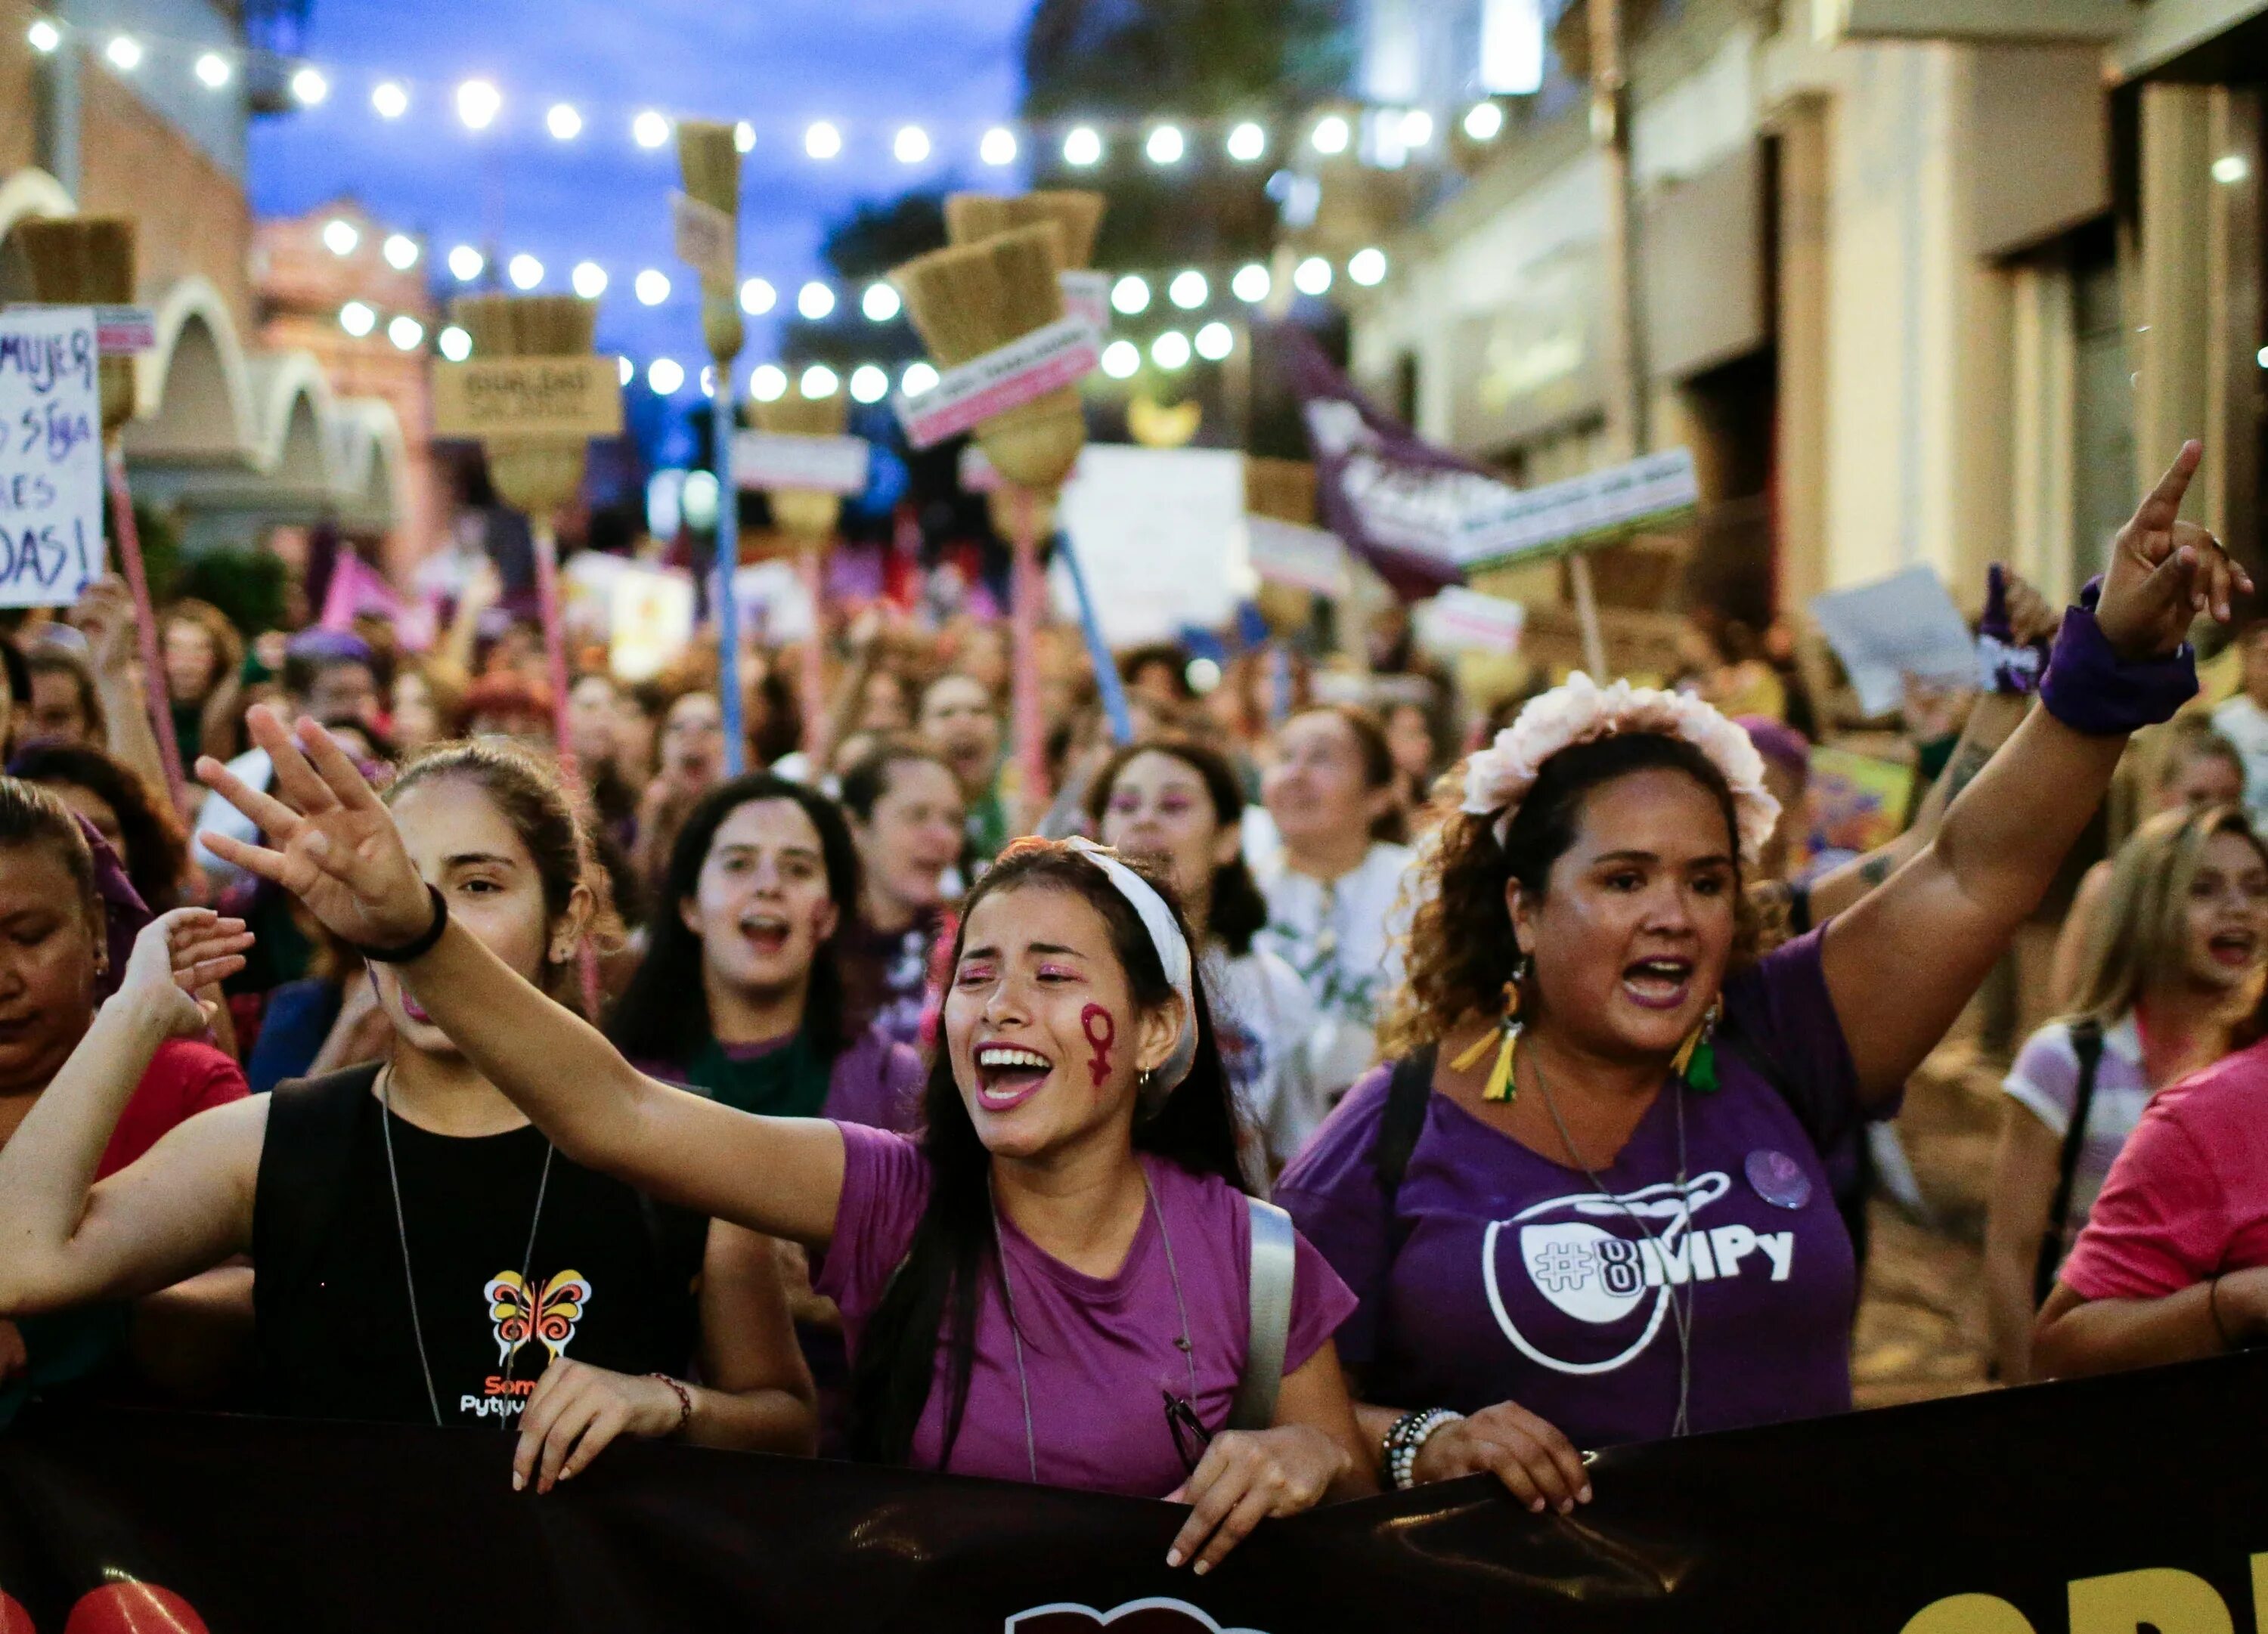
(1682, 1319)
(401, 1234)
(1016, 1329)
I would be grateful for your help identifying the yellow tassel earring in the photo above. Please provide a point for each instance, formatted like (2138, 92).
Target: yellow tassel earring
(1500, 1086)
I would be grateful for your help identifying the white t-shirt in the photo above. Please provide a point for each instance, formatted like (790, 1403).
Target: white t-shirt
(1262, 1013)
(2045, 1078)
(1342, 937)
(2245, 724)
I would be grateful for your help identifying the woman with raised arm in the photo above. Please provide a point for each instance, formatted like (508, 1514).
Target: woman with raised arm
(422, 1255)
(1053, 1284)
(1588, 1204)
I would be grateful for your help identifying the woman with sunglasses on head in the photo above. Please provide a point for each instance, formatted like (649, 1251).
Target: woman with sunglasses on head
(1614, 1115)
(1053, 1283)
(422, 1255)
(1176, 800)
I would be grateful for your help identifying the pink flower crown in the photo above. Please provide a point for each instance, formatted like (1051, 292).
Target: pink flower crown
(1498, 777)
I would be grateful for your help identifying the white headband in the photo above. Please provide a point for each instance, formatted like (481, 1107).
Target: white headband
(1173, 955)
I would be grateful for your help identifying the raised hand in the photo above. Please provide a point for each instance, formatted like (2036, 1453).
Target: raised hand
(175, 955)
(332, 843)
(2164, 572)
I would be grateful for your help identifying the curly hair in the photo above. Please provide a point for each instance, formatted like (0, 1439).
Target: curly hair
(1462, 948)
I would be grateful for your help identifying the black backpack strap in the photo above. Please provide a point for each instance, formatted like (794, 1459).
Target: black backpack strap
(2087, 1043)
(1408, 1092)
(304, 1160)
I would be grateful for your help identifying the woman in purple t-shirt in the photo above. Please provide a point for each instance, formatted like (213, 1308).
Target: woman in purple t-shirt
(1596, 1211)
(1052, 1285)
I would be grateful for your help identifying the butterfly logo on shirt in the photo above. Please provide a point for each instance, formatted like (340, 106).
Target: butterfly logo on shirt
(548, 1316)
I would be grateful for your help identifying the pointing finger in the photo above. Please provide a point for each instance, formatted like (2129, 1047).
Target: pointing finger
(2163, 503)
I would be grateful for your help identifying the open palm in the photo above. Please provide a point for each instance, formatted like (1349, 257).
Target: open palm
(2163, 572)
(332, 843)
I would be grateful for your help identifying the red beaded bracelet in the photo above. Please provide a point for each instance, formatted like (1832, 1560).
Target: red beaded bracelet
(684, 1401)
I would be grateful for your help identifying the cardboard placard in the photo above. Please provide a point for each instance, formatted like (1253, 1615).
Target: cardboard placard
(528, 399)
(1028, 368)
(50, 455)
(705, 238)
(772, 460)
(1458, 619)
(1524, 523)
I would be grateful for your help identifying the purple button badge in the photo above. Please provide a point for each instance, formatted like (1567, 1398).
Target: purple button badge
(1779, 1180)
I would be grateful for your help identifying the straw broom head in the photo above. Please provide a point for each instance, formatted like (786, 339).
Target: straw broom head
(536, 476)
(970, 299)
(709, 160)
(969, 217)
(86, 262)
(806, 516)
(1282, 488)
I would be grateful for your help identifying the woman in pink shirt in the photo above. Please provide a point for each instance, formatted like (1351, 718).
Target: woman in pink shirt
(2173, 1264)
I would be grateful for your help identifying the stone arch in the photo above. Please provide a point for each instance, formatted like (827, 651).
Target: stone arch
(194, 400)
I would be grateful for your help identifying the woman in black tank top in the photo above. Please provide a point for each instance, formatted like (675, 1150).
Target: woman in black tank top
(422, 1255)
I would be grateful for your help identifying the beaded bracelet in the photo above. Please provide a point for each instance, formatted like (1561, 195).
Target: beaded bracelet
(684, 1401)
(1408, 1438)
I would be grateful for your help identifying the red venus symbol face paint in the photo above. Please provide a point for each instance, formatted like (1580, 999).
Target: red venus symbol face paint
(1094, 1021)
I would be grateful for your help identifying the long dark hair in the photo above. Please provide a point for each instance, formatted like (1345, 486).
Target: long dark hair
(664, 1013)
(1238, 910)
(931, 1304)
(156, 850)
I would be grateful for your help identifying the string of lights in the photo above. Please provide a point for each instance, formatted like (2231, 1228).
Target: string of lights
(1385, 136)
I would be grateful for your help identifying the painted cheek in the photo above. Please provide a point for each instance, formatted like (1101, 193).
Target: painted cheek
(1102, 1031)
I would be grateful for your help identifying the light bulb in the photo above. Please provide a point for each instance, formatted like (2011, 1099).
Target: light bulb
(1170, 350)
(1247, 143)
(1130, 296)
(1215, 342)
(917, 378)
(998, 146)
(768, 383)
(309, 87)
(1083, 147)
(1417, 127)
(651, 287)
(1121, 359)
(1251, 283)
(406, 333)
(625, 371)
(822, 140)
(1367, 267)
(478, 103)
(1166, 145)
(388, 99)
(1312, 277)
(650, 130)
(456, 344)
(589, 280)
(401, 251)
(465, 264)
(213, 71)
(340, 236)
(912, 145)
(880, 303)
(744, 137)
(1189, 291)
(563, 121)
(1330, 135)
(358, 317)
(709, 389)
(757, 296)
(664, 376)
(869, 384)
(525, 271)
(124, 52)
(44, 37)
(818, 382)
(814, 300)
(1484, 122)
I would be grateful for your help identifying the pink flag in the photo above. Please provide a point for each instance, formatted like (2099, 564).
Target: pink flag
(357, 588)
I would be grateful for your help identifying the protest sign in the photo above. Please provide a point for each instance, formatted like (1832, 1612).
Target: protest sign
(51, 475)
(1893, 628)
(771, 461)
(537, 398)
(1028, 368)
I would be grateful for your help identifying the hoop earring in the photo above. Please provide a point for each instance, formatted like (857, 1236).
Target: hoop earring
(1501, 1087)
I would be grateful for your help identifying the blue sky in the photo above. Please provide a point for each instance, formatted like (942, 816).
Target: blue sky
(870, 66)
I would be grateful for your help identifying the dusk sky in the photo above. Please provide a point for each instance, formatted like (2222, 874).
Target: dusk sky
(870, 66)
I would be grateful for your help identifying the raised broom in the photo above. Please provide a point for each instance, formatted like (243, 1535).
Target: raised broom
(807, 518)
(708, 160)
(89, 262)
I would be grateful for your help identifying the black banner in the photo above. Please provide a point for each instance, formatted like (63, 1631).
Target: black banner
(2105, 1508)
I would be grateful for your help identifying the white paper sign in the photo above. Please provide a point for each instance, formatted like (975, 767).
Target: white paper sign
(1459, 619)
(1160, 533)
(1028, 368)
(50, 456)
(650, 620)
(705, 238)
(1900, 626)
(778, 460)
(119, 331)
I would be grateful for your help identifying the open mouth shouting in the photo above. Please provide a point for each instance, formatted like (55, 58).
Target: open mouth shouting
(1661, 982)
(766, 933)
(2233, 950)
(1008, 1075)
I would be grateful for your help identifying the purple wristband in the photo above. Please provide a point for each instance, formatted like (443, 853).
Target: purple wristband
(2090, 689)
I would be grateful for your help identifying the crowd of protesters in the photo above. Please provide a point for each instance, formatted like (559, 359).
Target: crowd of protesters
(441, 1060)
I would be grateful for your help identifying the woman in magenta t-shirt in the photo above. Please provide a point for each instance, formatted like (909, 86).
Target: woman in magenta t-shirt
(1051, 1284)
(1597, 1211)
(2173, 1264)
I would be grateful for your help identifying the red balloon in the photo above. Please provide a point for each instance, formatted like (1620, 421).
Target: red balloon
(14, 1618)
(134, 1608)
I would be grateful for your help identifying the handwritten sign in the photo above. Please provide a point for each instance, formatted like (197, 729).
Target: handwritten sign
(528, 399)
(1024, 369)
(1519, 525)
(704, 238)
(50, 455)
(779, 459)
